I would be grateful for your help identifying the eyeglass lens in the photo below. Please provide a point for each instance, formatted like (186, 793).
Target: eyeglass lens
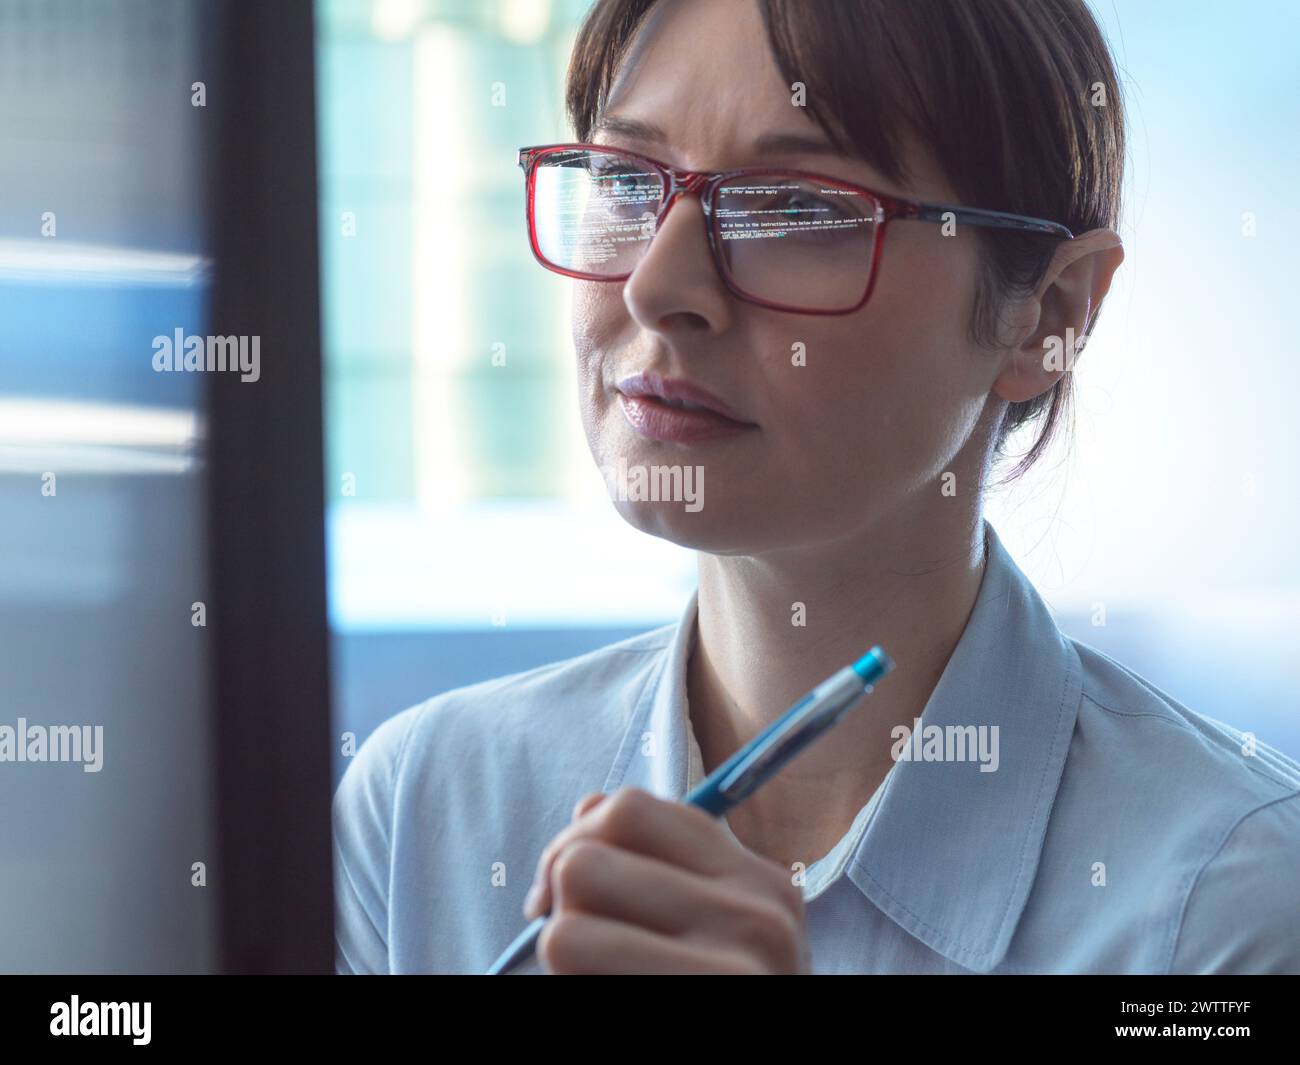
(783, 240)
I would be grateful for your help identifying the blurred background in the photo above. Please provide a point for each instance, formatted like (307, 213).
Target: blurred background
(469, 533)
(161, 533)
(103, 246)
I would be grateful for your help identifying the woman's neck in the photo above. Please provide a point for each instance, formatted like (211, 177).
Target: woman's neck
(770, 628)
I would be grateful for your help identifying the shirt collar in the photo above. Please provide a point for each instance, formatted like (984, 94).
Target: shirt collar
(960, 888)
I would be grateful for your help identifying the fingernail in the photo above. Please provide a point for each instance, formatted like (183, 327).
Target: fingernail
(531, 900)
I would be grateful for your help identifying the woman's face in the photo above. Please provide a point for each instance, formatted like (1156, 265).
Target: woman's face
(888, 397)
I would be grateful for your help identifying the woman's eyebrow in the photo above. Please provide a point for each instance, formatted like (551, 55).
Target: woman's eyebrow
(767, 144)
(629, 127)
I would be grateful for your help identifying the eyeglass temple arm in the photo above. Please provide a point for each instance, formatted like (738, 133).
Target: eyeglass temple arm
(977, 216)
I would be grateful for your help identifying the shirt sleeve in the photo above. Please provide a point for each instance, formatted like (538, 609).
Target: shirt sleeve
(1243, 913)
(362, 829)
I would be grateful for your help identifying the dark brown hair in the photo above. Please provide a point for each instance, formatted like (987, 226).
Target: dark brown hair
(1017, 100)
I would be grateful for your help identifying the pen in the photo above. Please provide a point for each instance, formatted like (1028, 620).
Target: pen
(755, 763)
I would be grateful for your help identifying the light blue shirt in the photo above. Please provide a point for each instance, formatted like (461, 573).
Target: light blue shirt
(1120, 831)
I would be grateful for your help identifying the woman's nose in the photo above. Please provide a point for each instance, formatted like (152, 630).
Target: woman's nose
(676, 283)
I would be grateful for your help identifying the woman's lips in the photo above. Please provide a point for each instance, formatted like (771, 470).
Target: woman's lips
(655, 419)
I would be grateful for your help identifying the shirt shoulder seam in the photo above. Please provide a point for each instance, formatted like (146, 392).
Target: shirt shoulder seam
(1196, 879)
(1175, 722)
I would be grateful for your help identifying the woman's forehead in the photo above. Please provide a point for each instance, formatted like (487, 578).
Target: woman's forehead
(804, 145)
(699, 87)
(705, 50)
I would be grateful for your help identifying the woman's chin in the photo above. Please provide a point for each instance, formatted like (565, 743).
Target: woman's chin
(697, 530)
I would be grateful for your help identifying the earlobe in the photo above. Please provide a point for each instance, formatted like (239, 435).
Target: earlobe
(1024, 376)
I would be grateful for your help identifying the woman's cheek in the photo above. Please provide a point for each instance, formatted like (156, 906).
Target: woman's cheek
(827, 412)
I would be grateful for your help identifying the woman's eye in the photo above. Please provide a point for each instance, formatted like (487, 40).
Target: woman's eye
(625, 191)
(626, 183)
(839, 212)
(804, 203)
(619, 180)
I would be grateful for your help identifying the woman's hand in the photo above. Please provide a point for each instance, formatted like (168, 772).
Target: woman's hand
(639, 884)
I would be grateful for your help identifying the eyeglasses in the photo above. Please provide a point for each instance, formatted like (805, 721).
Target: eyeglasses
(788, 240)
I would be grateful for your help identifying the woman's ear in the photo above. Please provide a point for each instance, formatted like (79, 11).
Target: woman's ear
(1057, 314)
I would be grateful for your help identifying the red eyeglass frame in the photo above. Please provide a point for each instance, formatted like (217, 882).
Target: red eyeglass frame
(677, 182)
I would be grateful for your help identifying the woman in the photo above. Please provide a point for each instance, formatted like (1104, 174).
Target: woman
(845, 366)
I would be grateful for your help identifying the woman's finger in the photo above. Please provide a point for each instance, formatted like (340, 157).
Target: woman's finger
(603, 881)
(586, 803)
(638, 821)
